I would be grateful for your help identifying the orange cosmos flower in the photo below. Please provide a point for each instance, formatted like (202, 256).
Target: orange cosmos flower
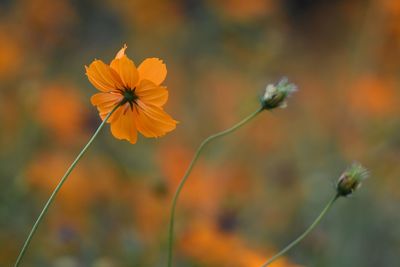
(139, 93)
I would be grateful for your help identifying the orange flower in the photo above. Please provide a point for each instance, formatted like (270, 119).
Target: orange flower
(139, 93)
(209, 246)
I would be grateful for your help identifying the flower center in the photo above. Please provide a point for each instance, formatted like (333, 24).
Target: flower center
(129, 97)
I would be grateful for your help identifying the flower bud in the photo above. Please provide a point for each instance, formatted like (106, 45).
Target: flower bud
(351, 179)
(275, 95)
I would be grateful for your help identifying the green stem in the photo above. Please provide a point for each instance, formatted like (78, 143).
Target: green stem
(309, 229)
(188, 171)
(58, 187)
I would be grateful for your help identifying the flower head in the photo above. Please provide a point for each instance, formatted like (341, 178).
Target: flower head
(351, 179)
(275, 95)
(137, 91)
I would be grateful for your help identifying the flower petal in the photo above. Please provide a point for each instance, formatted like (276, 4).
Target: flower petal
(104, 112)
(103, 77)
(153, 69)
(152, 121)
(105, 102)
(100, 99)
(123, 127)
(150, 93)
(126, 69)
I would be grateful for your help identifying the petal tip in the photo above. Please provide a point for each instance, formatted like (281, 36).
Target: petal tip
(121, 52)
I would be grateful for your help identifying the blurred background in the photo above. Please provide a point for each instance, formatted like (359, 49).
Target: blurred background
(250, 193)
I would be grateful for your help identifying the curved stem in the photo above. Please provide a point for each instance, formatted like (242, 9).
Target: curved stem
(309, 229)
(188, 171)
(58, 187)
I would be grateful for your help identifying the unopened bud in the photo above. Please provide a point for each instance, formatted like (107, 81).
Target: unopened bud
(275, 95)
(351, 179)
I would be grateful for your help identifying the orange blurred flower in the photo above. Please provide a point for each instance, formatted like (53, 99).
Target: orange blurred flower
(210, 246)
(373, 96)
(244, 10)
(11, 53)
(90, 185)
(65, 120)
(157, 16)
(35, 21)
(139, 93)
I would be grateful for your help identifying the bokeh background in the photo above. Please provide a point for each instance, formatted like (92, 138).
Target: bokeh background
(252, 192)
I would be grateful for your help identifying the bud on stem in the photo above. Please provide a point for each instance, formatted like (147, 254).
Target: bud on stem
(275, 95)
(351, 179)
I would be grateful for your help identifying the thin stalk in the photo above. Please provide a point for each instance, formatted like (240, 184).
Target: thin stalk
(58, 187)
(188, 171)
(309, 229)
